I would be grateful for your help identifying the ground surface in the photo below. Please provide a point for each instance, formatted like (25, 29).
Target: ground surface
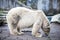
(53, 35)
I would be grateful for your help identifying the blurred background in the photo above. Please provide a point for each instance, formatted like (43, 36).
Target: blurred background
(50, 7)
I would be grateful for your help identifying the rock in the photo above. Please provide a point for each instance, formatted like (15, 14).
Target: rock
(56, 18)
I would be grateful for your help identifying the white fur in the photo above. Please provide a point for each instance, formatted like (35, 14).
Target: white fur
(20, 17)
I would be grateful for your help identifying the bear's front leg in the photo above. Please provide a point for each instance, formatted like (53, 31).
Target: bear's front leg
(37, 25)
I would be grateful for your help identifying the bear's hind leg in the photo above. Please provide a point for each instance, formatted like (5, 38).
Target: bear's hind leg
(14, 30)
(17, 31)
(11, 29)
(18, 28)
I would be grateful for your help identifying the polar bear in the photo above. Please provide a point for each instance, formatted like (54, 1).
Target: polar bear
(20, 17)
